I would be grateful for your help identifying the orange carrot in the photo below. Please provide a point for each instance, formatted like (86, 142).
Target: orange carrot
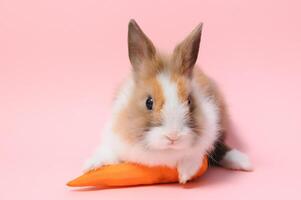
(128, 174)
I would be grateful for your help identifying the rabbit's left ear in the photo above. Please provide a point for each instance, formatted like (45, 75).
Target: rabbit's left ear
(186, 53)
(140, 47)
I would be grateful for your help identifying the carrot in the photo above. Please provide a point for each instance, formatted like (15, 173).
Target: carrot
(129, 174)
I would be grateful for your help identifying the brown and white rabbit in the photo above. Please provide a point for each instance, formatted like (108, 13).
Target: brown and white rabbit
(168, 112)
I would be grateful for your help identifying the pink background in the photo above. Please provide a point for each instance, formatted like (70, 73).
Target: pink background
(60, 61)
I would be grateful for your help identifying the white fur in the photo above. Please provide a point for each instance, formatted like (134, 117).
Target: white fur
(181, 154)
(174, 112)
(235, 159)
(188, 167)
(174, 115)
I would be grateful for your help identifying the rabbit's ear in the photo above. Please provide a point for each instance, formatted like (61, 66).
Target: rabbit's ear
(140, 46)
(186, 53)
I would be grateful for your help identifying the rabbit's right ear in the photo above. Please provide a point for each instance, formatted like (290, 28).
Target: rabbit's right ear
(140, 46)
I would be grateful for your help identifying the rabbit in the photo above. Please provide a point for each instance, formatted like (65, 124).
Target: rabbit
(167, 112)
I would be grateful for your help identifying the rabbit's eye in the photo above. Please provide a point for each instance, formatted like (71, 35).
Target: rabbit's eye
(149, 103)
(189, 100)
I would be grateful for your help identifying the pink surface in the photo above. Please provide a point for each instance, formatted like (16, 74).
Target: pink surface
(60, 61)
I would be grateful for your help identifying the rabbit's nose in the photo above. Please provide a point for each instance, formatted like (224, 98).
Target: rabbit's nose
(172, 137)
